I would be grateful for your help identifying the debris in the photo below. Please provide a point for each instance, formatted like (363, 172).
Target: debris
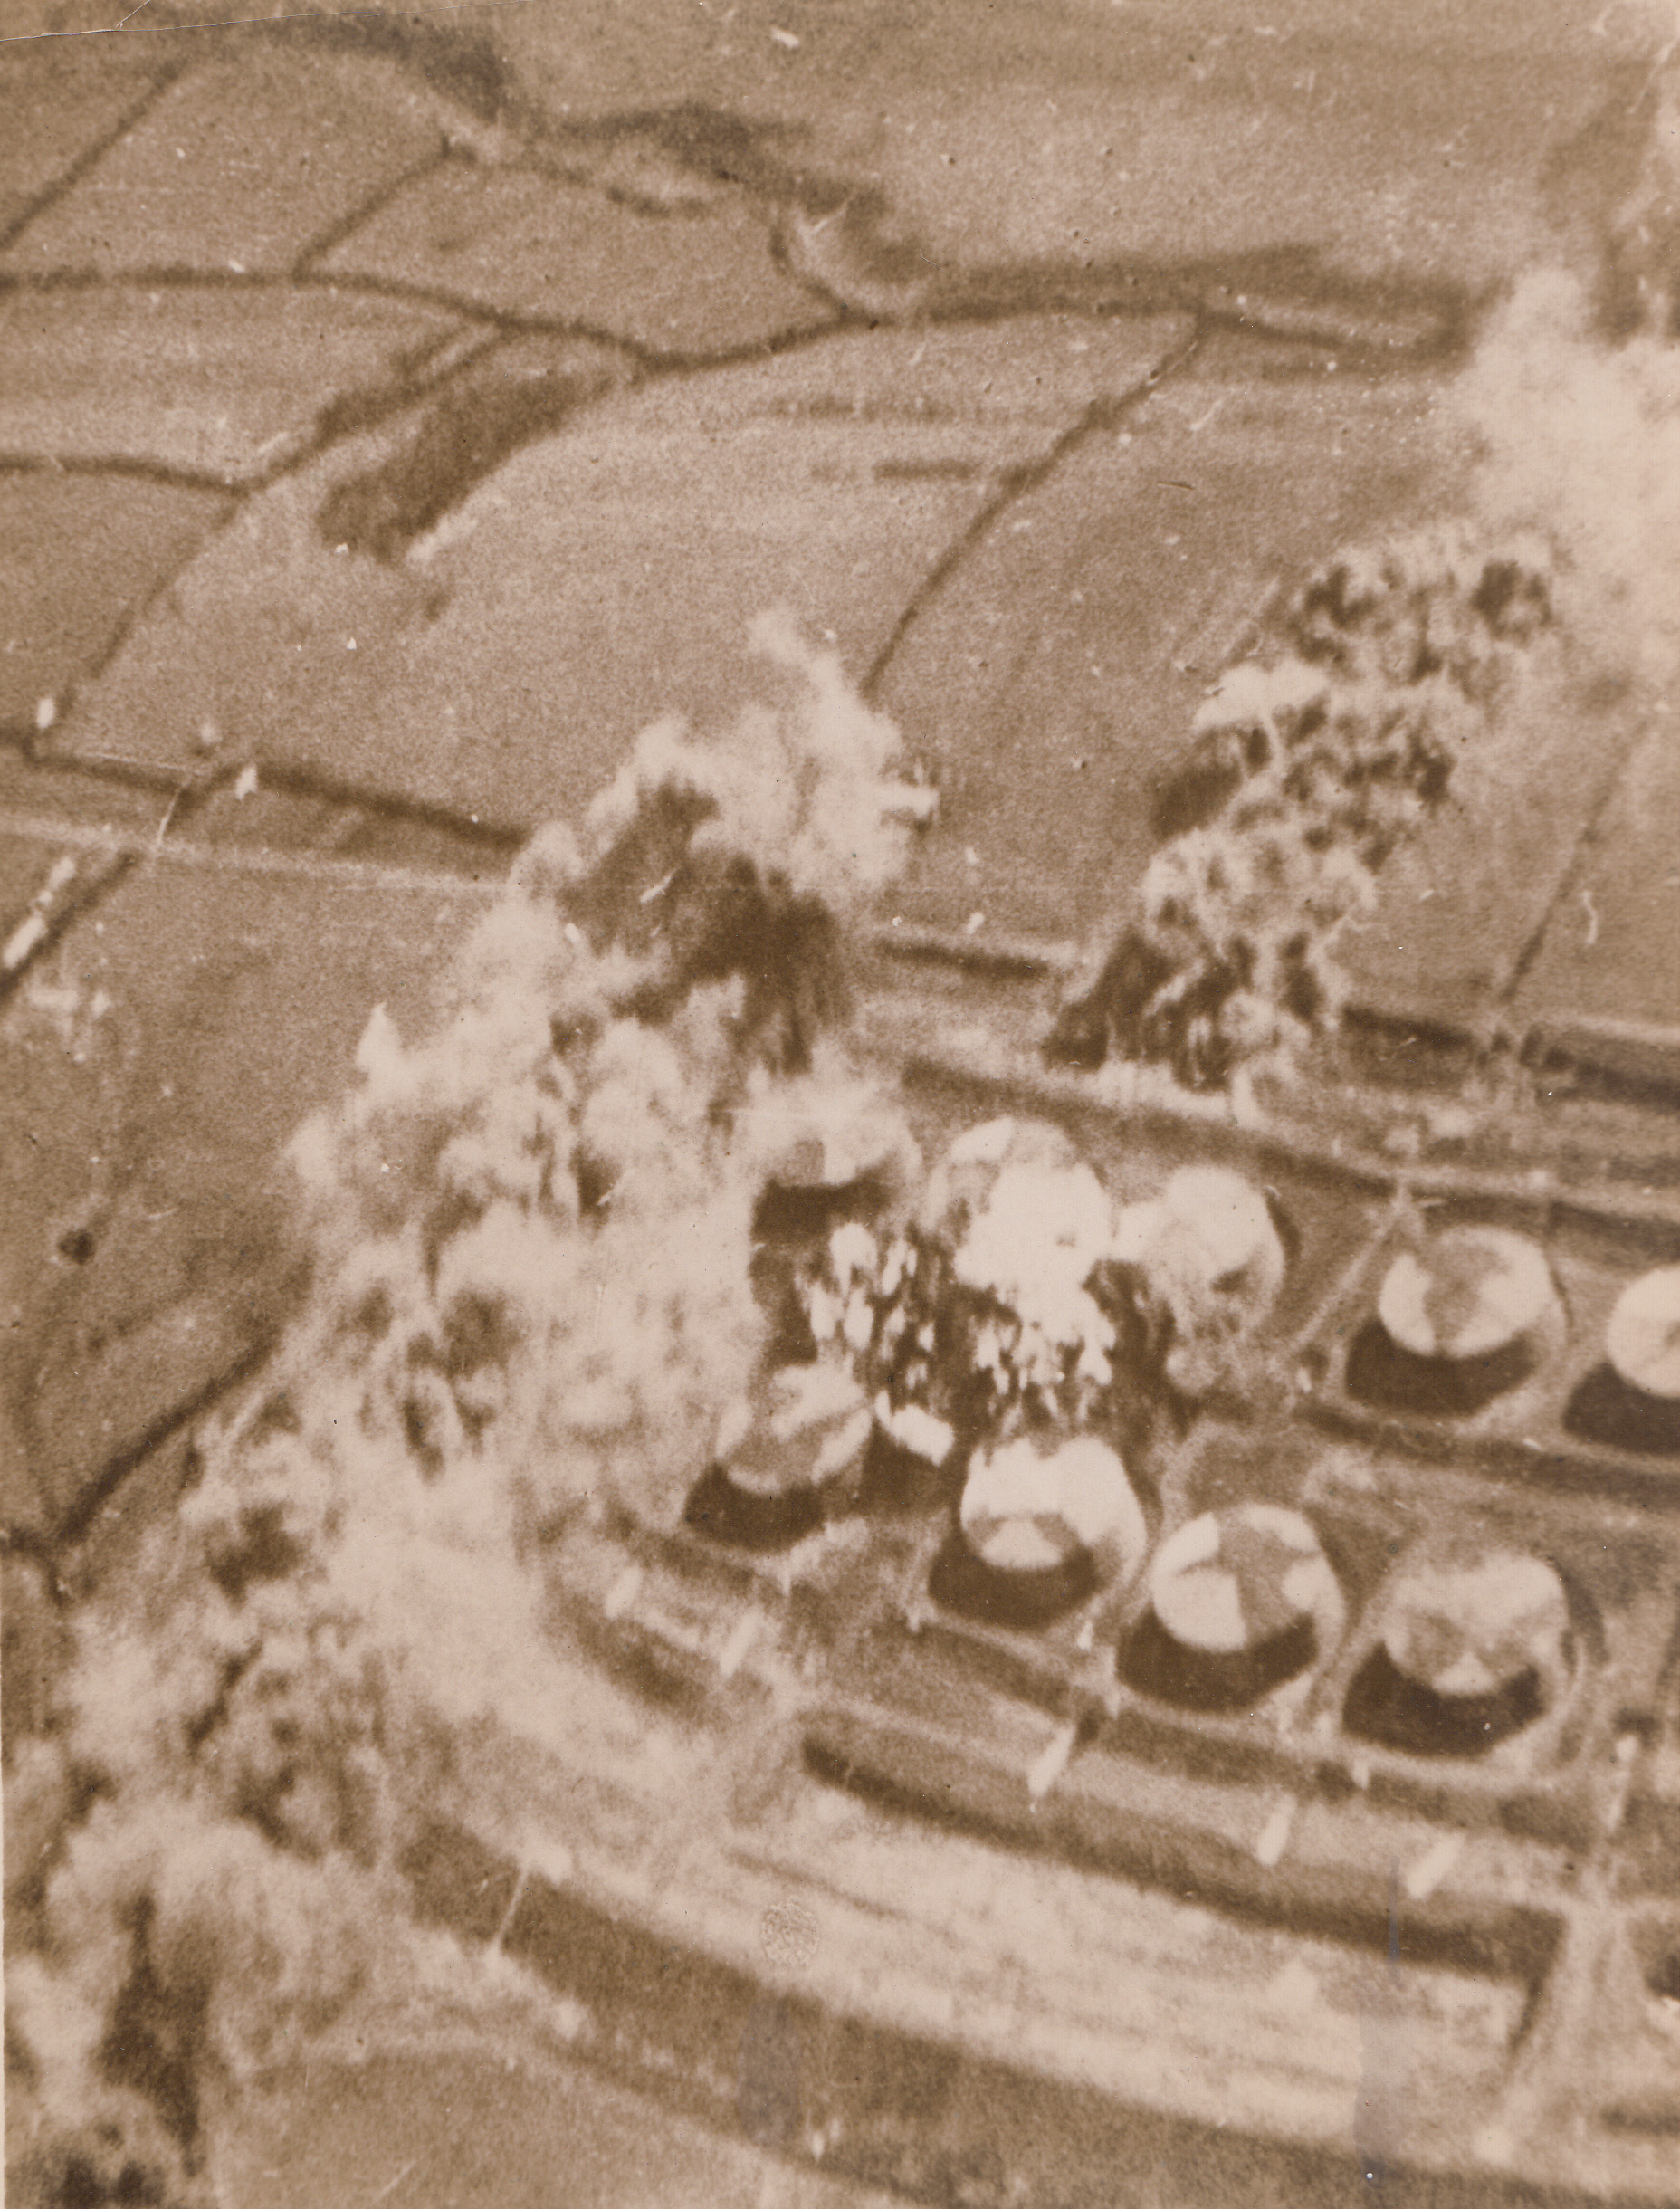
(23, 939)
(1049, 1766)
(623, 1592)
(916, 803)
(1273, 1837)
(30, 932)
(1432, 1867)
(738, 1647)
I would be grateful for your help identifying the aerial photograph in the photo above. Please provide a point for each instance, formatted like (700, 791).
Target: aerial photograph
(840, 1104)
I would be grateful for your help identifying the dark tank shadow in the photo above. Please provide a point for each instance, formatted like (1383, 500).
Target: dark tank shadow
(748, 1518)
(1390, 1378)
(1211, 1680)
(965, 1583)
(1384, 1705)
(1604, 1408)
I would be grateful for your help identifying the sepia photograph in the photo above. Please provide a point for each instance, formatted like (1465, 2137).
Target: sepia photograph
(840, 1104)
